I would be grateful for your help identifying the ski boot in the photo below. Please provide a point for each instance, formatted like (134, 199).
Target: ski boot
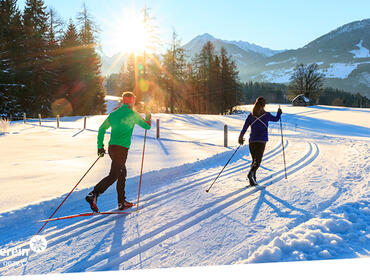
(252, 178)
(92, 199)
(124, 205)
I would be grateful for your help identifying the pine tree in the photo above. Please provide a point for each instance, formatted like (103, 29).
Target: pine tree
(127, 74)
(93, 94)
(207, 56)
(113, 84)
(70, 71)
(11, 87)
(216, 77)
(55, 31)
(174, 66)
(38, 79)
(54, 37)
(229, 81)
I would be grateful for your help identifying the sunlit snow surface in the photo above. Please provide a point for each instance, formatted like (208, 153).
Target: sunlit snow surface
(320, 212)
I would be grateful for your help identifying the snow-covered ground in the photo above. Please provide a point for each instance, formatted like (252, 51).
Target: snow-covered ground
(320, 212)
(361, 52)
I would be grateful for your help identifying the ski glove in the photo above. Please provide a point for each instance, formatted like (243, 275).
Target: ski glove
(101, 152)
(241, 140)
(279, 111)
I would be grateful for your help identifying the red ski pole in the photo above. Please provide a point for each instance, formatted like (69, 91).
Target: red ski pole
(141, 173)
(67, 196)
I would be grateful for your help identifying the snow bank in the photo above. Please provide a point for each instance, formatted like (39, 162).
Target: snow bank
(340, 233)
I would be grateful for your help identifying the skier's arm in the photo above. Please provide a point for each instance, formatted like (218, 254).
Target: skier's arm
(245, 127)
(102, 129)
(147, 123)
(277, 117)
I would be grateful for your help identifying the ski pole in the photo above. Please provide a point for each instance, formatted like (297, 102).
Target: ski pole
(141, 173)
(68, 195)
(207, 190)
(282, 143)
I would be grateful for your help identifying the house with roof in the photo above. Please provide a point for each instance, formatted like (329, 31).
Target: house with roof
(300, 100)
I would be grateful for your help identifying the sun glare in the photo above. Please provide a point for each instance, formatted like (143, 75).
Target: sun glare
(131, 35)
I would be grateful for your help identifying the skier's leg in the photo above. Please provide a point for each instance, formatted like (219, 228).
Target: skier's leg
(114, 172)
(259, 150)
(251, 151)
(251, 176)
(121, 182)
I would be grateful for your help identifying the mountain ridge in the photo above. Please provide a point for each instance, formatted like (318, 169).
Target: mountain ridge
(342, 54)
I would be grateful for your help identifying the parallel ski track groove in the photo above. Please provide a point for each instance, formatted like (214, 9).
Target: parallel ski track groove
(58, 236)
(272, 153)
(303, 162)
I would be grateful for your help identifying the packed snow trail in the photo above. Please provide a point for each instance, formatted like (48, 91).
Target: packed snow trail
(319, 212)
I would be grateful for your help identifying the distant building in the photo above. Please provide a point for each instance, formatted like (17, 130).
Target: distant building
(300, 100)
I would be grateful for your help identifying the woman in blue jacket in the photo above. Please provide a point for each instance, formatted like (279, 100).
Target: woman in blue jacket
(258, 121)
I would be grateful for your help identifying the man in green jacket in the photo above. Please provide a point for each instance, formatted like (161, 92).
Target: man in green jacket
(122, 122)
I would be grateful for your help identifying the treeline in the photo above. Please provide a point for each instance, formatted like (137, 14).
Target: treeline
(205, 84)
(47, 68)
(280, 93)
(336, 97)
(272, 92)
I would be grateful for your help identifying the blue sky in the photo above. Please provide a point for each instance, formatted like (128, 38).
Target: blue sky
(284, 24)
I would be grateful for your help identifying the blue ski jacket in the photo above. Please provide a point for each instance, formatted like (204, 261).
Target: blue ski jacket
(259, 126)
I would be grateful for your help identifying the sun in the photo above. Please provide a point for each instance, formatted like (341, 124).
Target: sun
(131, 34)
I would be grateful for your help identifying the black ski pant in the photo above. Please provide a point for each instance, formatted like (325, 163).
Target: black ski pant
(118, 172)
(256, 149)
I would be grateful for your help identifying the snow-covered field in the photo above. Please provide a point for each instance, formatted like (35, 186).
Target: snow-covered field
(320, 212)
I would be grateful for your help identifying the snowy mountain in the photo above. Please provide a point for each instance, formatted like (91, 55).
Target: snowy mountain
(243, 53)
(255, 48)
(320, 212)
(343, 56)
(196, 44)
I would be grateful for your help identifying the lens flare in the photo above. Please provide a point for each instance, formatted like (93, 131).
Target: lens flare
(61, 107)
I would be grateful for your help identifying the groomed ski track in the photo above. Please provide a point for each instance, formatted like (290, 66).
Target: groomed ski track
(182, 225)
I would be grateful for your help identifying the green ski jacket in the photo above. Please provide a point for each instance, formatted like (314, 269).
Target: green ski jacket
(122, 122)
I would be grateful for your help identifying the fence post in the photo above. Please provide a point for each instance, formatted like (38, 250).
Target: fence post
(24, 118)
(58, 121)
(40, 119)
(225, 136)
(84, 122)
(157, 128)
